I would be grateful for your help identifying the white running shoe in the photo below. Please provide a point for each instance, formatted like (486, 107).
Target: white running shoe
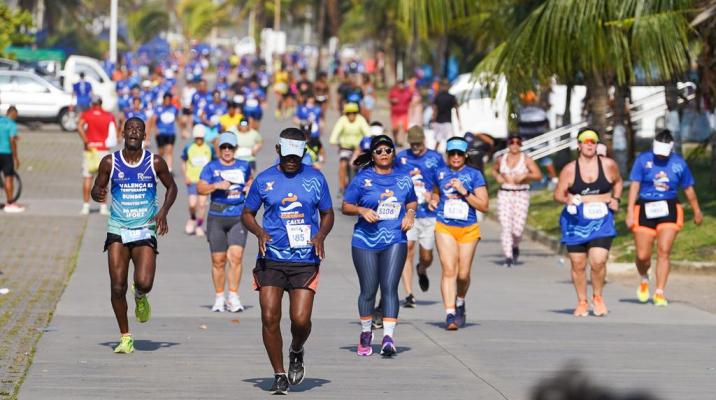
(219, 304)
(103, 209)
(13, 208)
(234, 303)
(85, 209)
(189, 228)
(199, 231)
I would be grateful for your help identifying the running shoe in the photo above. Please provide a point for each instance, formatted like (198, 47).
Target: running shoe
(103, 210)
(423, 280)
(582, 309)
(598, 307)
(409, 301)
(142, 310)
(125, 346)
(14, 208)
(219, 304)
(508, 263)
(642, 292)
(460, 316)
(377, 318)
(296, 369)
(451, 323)
(515, 253)
(660, 300)
(233, 304)
(189, 227)
(387, 349)
(199, 231)
(364, 344)
(280, 384)
(85, 209)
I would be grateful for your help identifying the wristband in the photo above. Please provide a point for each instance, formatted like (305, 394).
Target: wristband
(410, 209)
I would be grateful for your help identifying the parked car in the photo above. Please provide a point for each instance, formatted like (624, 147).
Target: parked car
(36, 99)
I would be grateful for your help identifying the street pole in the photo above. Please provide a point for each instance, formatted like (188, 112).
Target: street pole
(277, 15)
(113, 32)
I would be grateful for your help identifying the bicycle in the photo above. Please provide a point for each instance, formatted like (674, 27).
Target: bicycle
(17, 188)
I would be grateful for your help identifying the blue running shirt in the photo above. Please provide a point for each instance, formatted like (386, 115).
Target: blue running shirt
(291, 205)
(134, 194)
(385, 194)
(422, 170)
(166, 119)
(592, 221)
(660, 179)
(229, 203)
(451, 209)
(138, 114)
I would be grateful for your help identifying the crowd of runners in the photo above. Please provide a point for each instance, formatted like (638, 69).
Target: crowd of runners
(432, 195)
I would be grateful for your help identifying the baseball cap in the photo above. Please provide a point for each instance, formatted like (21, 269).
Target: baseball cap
(416, 134)
(198, 131)
(228, 138)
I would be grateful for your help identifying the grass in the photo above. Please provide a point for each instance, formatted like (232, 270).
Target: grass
(694, 243)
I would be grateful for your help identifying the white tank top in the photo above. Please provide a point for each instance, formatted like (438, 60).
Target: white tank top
(520, 168)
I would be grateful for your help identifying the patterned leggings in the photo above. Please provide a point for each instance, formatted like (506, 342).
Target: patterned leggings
(512, 209)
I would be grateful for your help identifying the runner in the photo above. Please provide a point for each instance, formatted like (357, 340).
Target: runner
(291, 248)
(513, 171)
(421, 164)
(443, 104)
(590, 188)
(654, 212)
(311, 112)
(231, 118)
(9, 159)
(281, 89)
(350, 128)
(250, 143)
(134, 223)
(199, 100)
(136, 110)
(165, 128)
(211, 115)
(463, 192)
(384, 199)
(399, 97)
(194, 157)
(94, 128)
(82, 91)
(226, 180)
(322, 91)
(254, 104)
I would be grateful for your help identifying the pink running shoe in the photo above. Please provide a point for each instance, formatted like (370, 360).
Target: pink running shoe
(364, 344)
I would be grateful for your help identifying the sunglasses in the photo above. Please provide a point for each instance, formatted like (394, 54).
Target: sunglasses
(514, 141)
(589, 141)
(387, 150)
(226, 147)
(453, 153)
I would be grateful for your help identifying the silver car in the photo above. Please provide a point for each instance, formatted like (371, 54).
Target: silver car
(36, 99)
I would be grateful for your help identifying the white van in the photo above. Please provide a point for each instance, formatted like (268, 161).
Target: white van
(101, 83)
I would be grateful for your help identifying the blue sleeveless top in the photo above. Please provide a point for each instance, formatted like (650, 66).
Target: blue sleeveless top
(592, 221)
(134, 194)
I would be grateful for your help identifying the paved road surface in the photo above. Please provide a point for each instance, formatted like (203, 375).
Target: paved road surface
(520, 330)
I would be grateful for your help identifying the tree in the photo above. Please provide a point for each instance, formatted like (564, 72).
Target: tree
(14, 27)
(146, 23)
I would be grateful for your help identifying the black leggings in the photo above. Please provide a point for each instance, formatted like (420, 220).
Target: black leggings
(379, 268)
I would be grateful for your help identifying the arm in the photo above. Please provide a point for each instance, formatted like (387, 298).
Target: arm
(561, 195)
(160, 166)
(326, 224)
(618, 182)
(368, 214)
(205, 188)
(694, 203)
(248, 218)
(257, 147)
(477, 199)
(409, 219)
(496, 171)
(81, 132)
(99, 189)
(15, 156)
(631, 202)
(534, 173)
(336, 133)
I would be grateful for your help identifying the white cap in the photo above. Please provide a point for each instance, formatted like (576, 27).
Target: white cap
(198, 131)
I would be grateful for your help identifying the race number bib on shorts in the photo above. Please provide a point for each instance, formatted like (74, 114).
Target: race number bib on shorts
(167, 117)
(456, 209)
(656, 209)
(134, 235)
(595, 210)
(388, 211)
(235, 176)
(299, 236)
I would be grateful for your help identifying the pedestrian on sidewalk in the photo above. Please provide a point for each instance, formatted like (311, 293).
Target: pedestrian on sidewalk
(514, 171)
(291, 247)
(134, 223)
(226, 180)
(9, 159)
(384, 199)
(654, 213)
(590, 188)
(463, 192)
(95, 128)
(421, 164)
(194, 157)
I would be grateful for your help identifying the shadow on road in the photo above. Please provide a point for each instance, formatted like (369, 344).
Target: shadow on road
(307, 384)
(143, 345)
(441, 324)
(376, 349)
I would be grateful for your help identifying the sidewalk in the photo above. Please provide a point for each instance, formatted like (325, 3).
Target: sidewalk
(520, 330)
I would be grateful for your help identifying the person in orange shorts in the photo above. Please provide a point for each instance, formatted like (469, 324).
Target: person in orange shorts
(463, 192)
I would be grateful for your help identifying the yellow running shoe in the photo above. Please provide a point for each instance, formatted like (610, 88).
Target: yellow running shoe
(642, 292)
(660, 300)
(125, 346)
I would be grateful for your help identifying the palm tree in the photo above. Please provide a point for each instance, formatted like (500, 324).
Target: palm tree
(146, 23)
(705, 27)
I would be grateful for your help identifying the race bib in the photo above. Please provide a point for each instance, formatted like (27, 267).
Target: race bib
(239, 99)
(388, 211)
(235, 176)
(243, 152)
(199, 161)
(134, 235)
(252, 103)
(456, 209)
(595, 210)
(299, 236)
(167, 117)
(656, 209)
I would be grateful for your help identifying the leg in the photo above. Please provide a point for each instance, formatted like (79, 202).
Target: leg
(86, 186)
(366, 265)
(390, 267)
(598, 262)
(234, 254)
(579, 276)
(200, 210)
(644, 244)
(664, 241)
(425, 258)
(342, 174)
(193, 200)
(301, 309)
(504, 211)
(169, 156)
(270, 300)
(520, 210)
(448, 253)
(466, 253)
(118, 260)
(218, 274)
(8, 188)
(408, 269)
(145, 265)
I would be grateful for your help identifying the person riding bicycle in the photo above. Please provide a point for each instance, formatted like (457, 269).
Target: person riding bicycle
(347, 134)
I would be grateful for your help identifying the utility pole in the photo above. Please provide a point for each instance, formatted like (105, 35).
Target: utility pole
(113, 32)
(277, 15)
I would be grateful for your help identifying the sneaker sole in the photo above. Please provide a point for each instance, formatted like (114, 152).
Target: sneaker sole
(279, 392)
(451, 327)
(388, 353)
(303, 376)
(409, 305)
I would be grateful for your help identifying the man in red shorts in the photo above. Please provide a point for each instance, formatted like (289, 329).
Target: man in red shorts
(399, 97)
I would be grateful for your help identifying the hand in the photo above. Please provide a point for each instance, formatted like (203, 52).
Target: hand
(428, 196)
(698, 217)
(99, 194)
(629, 219)
(223, 185)
(368, 214)
(458, 186)
(264, 238)
(408, 221)
(519, 178)
(613, 204)
(161, 220)
(317, 243)
(17, 162)
(86, 146)
(500, 179)
(187, 180)
(433, 204)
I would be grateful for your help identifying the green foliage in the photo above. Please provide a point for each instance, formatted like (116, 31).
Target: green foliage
(199, 17)
(147, 22)
(14, 25)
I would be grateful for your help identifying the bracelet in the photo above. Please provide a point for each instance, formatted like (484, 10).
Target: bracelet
(410, 209)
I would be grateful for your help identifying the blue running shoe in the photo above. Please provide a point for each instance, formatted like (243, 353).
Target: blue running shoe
(460, 316)
(451, 323)
(387, 349)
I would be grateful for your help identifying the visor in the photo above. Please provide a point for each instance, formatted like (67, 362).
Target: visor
(376, 130)
(663, 149)
(291, 147)
(588, 135)
(458, 145)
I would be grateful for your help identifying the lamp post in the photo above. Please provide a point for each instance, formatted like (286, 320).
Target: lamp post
(113, 32)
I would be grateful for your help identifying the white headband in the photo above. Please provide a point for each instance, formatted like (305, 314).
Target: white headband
(663, 149)
(291, 147)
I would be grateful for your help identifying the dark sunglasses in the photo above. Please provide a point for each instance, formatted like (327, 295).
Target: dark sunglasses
(387, 150)
(455, 152)
(226, 147)
(513, 141)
